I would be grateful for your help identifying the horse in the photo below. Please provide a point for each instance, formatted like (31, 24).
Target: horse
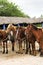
(11, 31)
(38, 33)
(3, 38)
(20, 36)
(30, 39)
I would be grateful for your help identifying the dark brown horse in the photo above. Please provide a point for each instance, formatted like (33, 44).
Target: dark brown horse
(20, 36)
(30, 39)
(3, 38)
(11, 31)
(38, 36)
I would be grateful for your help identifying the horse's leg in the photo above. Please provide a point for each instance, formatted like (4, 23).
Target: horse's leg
(41, 51)
(26, 47)
(6, 48)
(41, 54)
(33, 49)
(3, 47)
(20, 47)
(29, 49)
(12, 46)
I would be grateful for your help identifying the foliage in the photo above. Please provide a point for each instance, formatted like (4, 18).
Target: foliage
(10, 9)
(38, 25)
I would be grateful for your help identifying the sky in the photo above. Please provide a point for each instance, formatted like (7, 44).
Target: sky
(33, 8)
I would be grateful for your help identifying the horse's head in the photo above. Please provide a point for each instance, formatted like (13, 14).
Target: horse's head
(31, 27)
(20, 32)
(29, 33)
(11, 30)
(28, 29)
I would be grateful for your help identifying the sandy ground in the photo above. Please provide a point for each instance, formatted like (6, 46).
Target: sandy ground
(12, 58)
(20, 59)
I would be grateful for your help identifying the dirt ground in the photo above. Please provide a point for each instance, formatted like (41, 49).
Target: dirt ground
(13, 58)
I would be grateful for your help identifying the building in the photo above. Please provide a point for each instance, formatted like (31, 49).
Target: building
(4, 21)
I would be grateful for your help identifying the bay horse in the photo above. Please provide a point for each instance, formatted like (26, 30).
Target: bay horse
(11, 31)
(3, 38)
(20, 36)
(30, 39)
(38, 33)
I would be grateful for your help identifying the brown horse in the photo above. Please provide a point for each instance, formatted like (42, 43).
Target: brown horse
(20, 36)
(38, 36)
(11, 31)
(30, 39)
(3, 38)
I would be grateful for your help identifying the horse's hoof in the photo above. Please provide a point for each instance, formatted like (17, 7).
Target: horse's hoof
(26, 53)
(30, 52)
(6, 52)
(19, 52)
(23, 49)
(13, 50)
(41, 55)
(34, 54)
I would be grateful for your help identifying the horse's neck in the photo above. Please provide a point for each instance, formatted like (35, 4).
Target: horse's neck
(36, 34)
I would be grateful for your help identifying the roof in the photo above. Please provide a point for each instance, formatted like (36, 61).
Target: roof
(16, 20)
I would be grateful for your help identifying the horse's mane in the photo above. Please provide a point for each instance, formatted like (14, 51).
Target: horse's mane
(9, 26)
(34, 27)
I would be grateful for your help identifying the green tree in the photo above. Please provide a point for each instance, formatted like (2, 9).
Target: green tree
(10, 9)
